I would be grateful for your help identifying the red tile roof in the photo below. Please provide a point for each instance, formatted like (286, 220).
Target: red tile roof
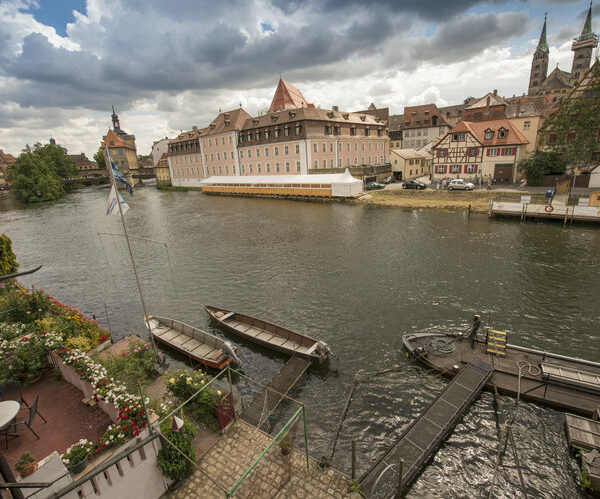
(415, 116)
(228, 121)
(6, 158)
(478, 129)
(287, 96)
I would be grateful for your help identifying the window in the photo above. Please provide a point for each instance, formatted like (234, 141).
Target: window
(338, 130)
(353, 131)
(258, 168)
(355, 160)
(551, 138)
(369, 146)
(315, 147)
(297, 148)
(231, 154)
(266, 151)
(470, 169)
(440, 169)
(455, 169)
(233, 169)
(339, 162)
(267, 134)
(286, 131)
(339, 147)
(356, 146)
(230, 139)
(442, 153)
(218, 157)
(268, 167)
(286, 150)
(297, 129)
(363, 146)
(488, 134)
(250, 168)
(502, 133)
(276, 133)
(331, 163)
(258, 153)
(527, 125)
(348, 147)
(297, 166)
(257, 135)
(327, 129)
(324, 163)
(410, 162)
(379, 132)
(590, 94)
(458, 137)
(212, 157)
(316, 163)
(249, 153)
(287, 166)
(367, 132)
(331, 147)
(242, 170)
(472, 151)
(277, 167)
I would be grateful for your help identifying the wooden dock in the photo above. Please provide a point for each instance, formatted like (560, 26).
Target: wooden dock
(584, 437)
(556, 211)
(265, 403)
(421, 439)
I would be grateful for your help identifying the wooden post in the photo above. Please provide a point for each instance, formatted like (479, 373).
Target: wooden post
(353, 460)
(8, 476)
(469, 216)
(400, 471)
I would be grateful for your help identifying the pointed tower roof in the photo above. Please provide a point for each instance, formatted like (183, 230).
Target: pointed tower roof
(586, 32)
(543, 43)
(287, 96)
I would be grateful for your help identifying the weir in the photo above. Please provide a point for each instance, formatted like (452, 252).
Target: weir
(265, 403)
(421, 439)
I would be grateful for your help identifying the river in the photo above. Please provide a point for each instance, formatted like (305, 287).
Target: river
(357, 277)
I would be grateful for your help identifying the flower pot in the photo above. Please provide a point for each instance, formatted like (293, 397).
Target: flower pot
(29, 470)
(285, 451)
(80, 466)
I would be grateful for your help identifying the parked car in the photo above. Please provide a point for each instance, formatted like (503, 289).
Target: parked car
(413, 184)
(459, 183)
(371, 186)
(389, 180)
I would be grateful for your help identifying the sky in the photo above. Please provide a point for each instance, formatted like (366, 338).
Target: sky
(167, 66)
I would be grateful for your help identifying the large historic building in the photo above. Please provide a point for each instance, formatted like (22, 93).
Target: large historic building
(121, 146)
(559, 82)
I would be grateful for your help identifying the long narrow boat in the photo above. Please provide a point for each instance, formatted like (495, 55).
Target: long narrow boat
(558, 381)
(199, 345)
(270, 335)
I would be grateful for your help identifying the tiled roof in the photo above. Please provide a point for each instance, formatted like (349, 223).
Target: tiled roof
(452, 111)
(494, 100)
(416, 116)
(192, 134)
(287, 96)
(478, 129)
(310, 113)
(80, 159)
(382, 113)
(395, 122)
(409, 154)
(116, 140)
(227, 121)
(6, 158)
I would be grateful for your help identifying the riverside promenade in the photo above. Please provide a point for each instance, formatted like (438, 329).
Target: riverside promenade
(274, 476)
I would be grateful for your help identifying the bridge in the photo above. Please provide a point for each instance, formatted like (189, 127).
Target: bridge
(99, 176)
(422, 438)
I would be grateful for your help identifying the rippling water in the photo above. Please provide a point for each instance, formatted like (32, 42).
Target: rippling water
(357, 277)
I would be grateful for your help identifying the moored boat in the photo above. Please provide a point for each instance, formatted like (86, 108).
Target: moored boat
(562, 382)
(270, 335)
(193, 342)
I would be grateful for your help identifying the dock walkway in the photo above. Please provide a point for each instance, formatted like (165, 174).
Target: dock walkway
(265, 403)
(422, 438)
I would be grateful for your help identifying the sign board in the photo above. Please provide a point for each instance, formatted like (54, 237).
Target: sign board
(525, 199)
(225, 412)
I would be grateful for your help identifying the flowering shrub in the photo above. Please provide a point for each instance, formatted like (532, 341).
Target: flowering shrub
(23, 305)
(22, 355)
(174, 465)
(134, 365)
(183, 384)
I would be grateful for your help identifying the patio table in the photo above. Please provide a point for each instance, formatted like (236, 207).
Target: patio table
(8, 412)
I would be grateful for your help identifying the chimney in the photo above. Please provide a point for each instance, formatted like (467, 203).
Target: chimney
(335, 108)
(495, 92)
(194, 127)
(518, 108)
(487, 105)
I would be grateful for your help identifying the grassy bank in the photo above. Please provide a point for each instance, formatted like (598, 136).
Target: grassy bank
(161, 187)
(431, 199)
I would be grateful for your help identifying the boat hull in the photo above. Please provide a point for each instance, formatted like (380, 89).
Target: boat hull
(305, 343)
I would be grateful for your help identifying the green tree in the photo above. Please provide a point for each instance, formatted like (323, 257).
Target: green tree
(8, 260)
(539, 164)
(38, 173)
(99, 159)
(574, 131)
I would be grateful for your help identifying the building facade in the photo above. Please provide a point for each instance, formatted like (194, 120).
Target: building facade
(559, 82)
(5, 161)
(83, 164)
(161, 171)
(421, 125)
(121, 147)
(479, 148)
(408, 163)
(184, 158)
(159, 147)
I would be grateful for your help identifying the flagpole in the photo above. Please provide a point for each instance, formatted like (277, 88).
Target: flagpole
(137, 279)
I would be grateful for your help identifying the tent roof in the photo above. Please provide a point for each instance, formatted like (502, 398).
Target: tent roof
(333, 178)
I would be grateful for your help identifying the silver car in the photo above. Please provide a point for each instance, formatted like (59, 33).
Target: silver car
(459, 183)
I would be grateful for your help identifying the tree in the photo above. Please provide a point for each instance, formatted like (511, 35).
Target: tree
(574, 131)
(38, 173)
(8, 260)
(99, 159)
(539, 164)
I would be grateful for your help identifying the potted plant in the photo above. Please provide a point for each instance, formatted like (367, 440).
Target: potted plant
(285, 444)
(26, 464)
(76, 457)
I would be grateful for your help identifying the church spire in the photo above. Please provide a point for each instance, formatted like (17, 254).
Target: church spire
(583, 47)
(586, 32)
(543, 43)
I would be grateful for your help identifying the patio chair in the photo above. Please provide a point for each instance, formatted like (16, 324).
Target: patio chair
(21, 424)
(12, 391)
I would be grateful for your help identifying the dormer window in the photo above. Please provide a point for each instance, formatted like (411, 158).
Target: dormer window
(413, 114)
(363, 118)
(212, 125)
(330, 114)
(273, 118)
(291, 115)
(255, 122)
(458, 137)
(226, 116)
(346, 116)
(488, 134)
(502, 133)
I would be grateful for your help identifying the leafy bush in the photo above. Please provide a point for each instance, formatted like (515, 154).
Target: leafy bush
(77, 453)
(23, 305)
(8, 260)
(173, 465)
(24, 461)
(539, 164)
(133, 366)
(183, 384)
(28, 359)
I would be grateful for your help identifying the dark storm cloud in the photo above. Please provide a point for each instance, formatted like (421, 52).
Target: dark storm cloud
(595, 12)
(429, 10)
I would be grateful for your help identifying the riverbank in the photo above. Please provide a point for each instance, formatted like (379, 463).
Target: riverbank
(430, 199)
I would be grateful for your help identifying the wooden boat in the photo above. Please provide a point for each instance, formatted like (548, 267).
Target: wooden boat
(562, 382)
(199, 345)
(270, 335)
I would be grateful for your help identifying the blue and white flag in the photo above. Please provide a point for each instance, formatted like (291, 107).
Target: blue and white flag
(118, 176)
(112, 208)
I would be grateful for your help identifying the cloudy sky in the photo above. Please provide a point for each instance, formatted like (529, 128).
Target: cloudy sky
(169, 65)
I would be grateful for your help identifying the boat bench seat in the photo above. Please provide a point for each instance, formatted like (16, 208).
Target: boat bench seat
(227, 316)
(215, 354)
(571, 376)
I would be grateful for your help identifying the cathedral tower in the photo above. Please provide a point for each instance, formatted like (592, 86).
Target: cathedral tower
(583, 46)
(539, 65)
